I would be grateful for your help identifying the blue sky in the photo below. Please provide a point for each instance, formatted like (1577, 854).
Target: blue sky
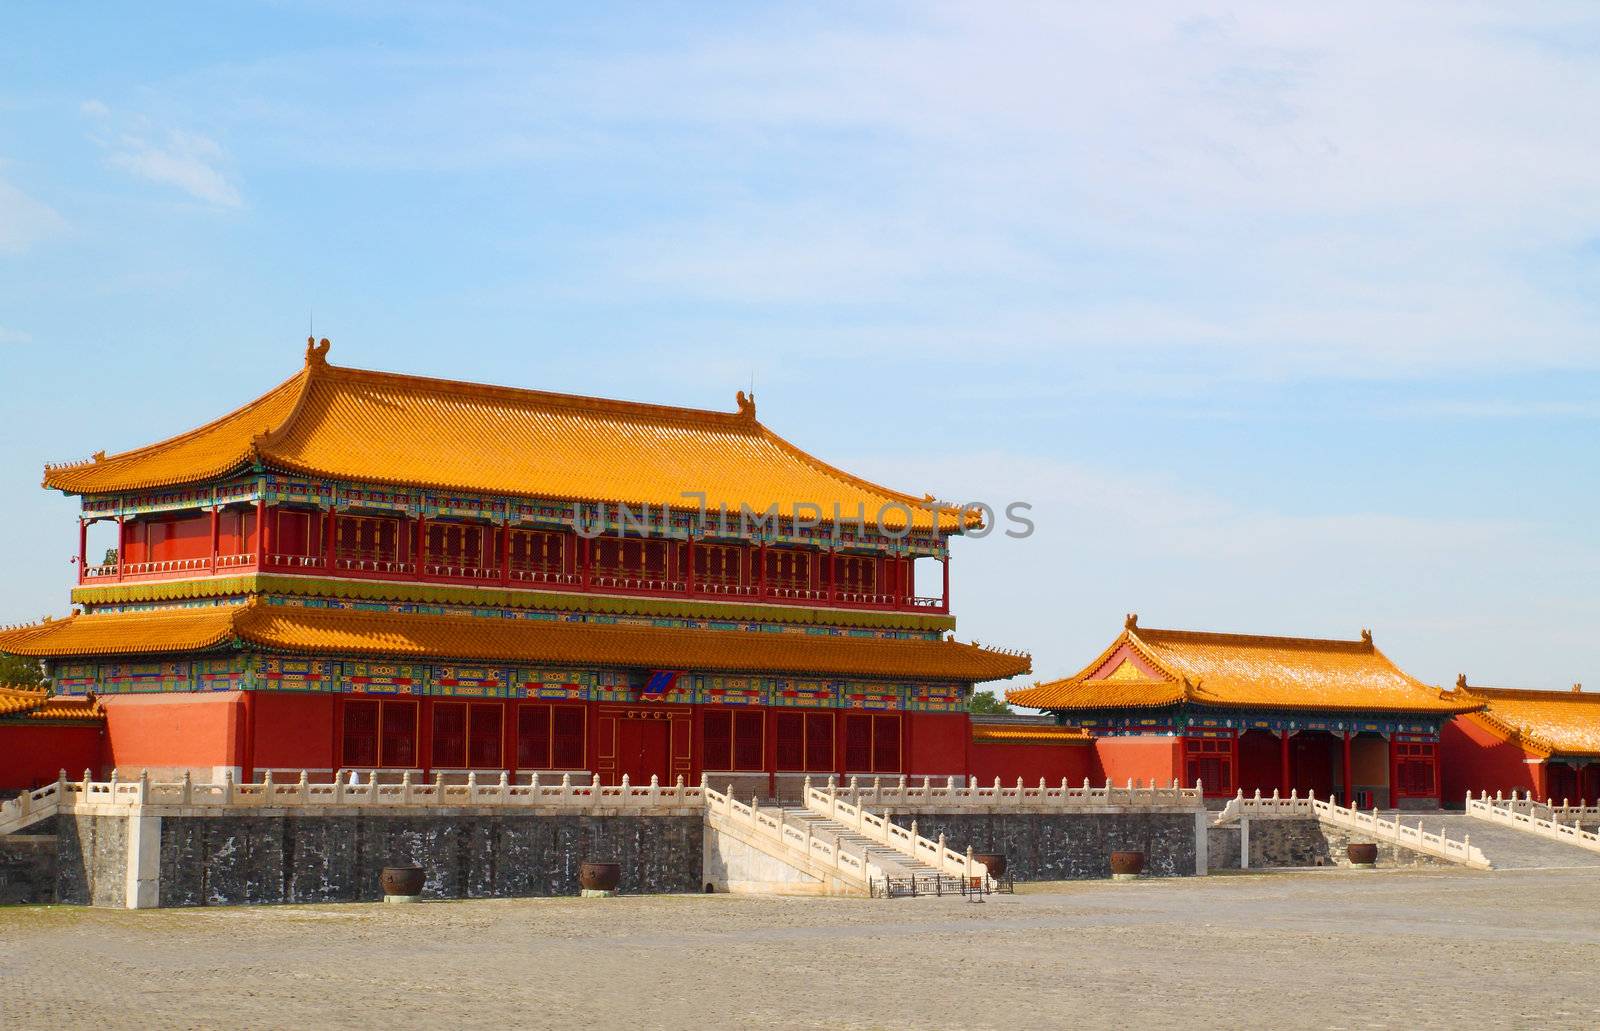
(1284, 320)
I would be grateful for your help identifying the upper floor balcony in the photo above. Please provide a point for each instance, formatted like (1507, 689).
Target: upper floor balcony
(374, 547)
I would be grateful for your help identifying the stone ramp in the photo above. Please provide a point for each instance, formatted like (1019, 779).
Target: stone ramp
(1506, 847)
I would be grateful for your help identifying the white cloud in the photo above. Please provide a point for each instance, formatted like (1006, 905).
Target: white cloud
(24, 220)
(188, 161)
(1443, 593)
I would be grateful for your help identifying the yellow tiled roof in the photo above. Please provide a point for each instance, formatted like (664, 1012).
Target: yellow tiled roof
(379, 427)
(1546, 722)
(1243, 671)
(984, 733)
(38, 704)
(339, 632)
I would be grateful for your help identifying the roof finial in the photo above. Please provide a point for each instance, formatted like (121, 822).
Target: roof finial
(1366, 636)
(316, 354)
(1130, 621)
(747, 404)
(1461, 681)
(1577, 688)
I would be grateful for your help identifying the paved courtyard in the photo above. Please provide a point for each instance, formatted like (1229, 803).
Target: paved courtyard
(1316, 949)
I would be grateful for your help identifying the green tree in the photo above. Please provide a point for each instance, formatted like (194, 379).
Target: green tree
(16, 671)
(986, 703)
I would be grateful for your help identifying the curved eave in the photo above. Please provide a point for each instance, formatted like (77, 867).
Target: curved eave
(1073, 695)
(221, 447)
(306, 630)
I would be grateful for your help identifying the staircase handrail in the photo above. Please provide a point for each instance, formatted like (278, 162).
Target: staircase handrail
(1391, 831)
(826, 802)
(1483, 808)
(824, 850)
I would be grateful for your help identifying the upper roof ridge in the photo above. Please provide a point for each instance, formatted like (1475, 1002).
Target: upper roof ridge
(644, 410)
(1154, 635)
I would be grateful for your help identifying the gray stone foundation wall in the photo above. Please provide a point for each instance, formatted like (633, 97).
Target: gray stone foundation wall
(27, 869)
(91, 860)
(307, 858)
(1067, 846)
(267, 858)
(1280, 843)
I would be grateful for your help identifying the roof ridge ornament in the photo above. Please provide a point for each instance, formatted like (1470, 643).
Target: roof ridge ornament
(316, 353)
(1461, 681)
(747, 404)
(1130, 621)
(1366, 636)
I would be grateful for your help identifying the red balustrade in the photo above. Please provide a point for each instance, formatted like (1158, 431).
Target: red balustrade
(385, 549)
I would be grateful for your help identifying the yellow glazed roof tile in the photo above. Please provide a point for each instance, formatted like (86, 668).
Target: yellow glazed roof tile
(999, 734)
(379, 427)
(340, 632)
(35, 704)
(1236, 670)
(1547, 722)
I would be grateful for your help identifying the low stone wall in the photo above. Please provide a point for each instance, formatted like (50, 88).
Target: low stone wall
(1071, 846)
(310, 857)
(1281, 843)
(27, 869)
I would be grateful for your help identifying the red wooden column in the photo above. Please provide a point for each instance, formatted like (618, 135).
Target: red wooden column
(505, 562)
(688, 564)
(944, 592)
(330, 544)
(584, 552)
(1283, 755)
(1394, 771)
(833, 575)
(508, 739)
(419, 559)
(83, 547)
(247, 753)
(216, 533)
(261, 533)
(122, 546)
(761, 569)
(1349, 774)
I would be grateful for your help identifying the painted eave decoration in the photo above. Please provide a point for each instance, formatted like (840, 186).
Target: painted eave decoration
(379, 427)
(1148, 668)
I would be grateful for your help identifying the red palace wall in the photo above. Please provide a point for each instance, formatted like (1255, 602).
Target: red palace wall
(1144, 760)
(937, 743)
(168, 733)
(34, 753)
(1031, 762)
(1472, 757)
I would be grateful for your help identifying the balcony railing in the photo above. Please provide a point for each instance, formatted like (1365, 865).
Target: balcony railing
(373, 564)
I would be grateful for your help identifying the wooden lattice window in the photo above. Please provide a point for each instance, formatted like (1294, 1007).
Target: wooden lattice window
(732, 740)
(804, 741)
(1210, 761)
(872, 743)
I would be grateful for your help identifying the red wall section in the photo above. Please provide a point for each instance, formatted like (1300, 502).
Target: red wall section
(1473, 757)
(1030, 762)
(33, 753)
(936, 743)
(292, 731)
(1144, 760)
(168, 733)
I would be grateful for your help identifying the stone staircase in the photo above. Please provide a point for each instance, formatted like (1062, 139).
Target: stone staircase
(891, 862)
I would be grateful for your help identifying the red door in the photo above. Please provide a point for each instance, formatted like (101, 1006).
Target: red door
(643, 750)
